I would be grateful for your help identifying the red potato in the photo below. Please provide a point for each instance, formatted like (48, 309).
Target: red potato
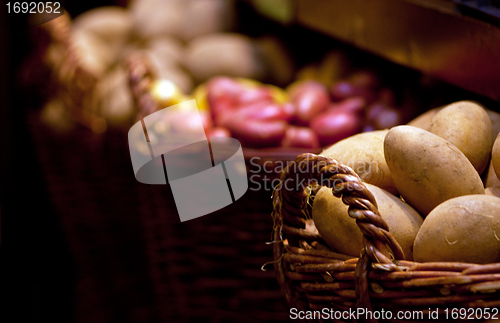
(388, 118)
(222, 94)
(387, 96)
(300, 137)
(256, 133)
(354, 105)
(374, 110)
(343, 90)
(227, 88)
(381, 116)
(220, 104)
(266, 111)
(365, 79)
(224, 86)
(310, 98)
(263, 111)
(368, 128)
(218, 132)
(223, 116)
(254, 95)
(333, 126)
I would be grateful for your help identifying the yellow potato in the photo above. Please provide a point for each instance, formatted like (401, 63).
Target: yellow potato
(495, 156)
(166, 49)
(427, 169)
(202, 17)
(495, 123)
(423, 121)
(491, 178)
(223, 54)
(157, 18)
(364, 153)
(116, 101)
(341, 232)
(92, 51)
(112, 24)
(466, 125)
(493, 191)
(107, 22)
(463, 229)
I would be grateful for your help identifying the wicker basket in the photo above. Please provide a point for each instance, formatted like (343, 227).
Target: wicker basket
(314, 277)
(135, 262)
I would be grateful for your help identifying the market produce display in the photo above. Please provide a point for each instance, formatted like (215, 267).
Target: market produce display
(429, 172)
(434, 181)
(187, 42)
(307, 114)
(432, 242)
(197, 55)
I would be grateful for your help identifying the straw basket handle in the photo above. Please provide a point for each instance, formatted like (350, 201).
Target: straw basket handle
(305, 176)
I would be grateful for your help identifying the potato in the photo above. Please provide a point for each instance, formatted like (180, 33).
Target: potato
(300, 137)
(164, 55)
(342, 233)
(364, 153)
(156, 18)
(427, 169)
(423, 121)
(309, 98)
(223, 54)
(495, 156)
(466, 125)
(92, 52)
(381, 116)
(112, 24)
(203, 17)
(462, 229)
(106, 22)
(257, 133)
(332, 126)
(167, 49)
(491, 178)
(495, 123)
(117, 103)
(493, 191)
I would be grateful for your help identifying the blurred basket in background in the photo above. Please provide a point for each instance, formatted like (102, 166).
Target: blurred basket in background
(135, 262)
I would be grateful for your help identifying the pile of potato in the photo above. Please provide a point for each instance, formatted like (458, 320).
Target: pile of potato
(432, 184)
(186, 41)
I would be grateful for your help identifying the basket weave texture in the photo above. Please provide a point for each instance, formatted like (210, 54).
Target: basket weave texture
(135, 261)
(312, 276)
